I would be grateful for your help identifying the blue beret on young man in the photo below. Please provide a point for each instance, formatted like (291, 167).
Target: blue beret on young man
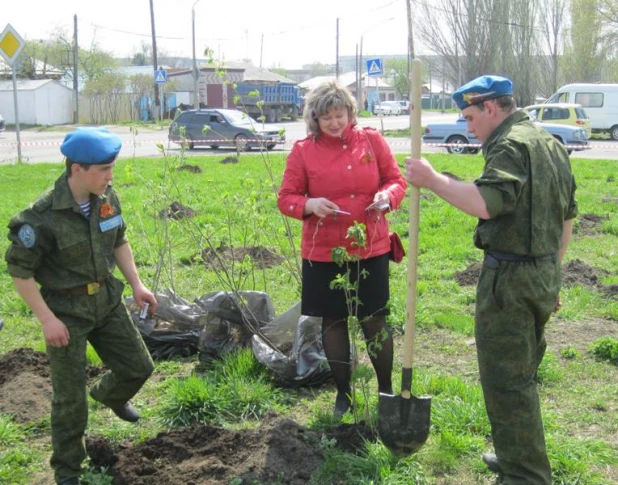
(91, 146)
(482, 89)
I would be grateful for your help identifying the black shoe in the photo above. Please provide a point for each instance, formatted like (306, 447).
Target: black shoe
(127, 413)
(342, 404)
(491, 460)
(70, 481)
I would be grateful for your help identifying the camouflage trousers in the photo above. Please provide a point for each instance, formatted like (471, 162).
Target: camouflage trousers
(514, 302)
(116, 339)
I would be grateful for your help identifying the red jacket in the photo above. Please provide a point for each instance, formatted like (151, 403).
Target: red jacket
(347, 171)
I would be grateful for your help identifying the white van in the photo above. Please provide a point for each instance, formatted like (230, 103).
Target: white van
(600, 101)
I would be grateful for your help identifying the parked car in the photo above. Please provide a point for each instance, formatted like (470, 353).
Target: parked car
(405, 106)
(561, 114)
(387, 108)
(599, 100)
(2, 126)
(456, 136)
(225, 127)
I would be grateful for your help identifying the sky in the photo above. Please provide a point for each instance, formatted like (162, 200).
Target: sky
(294, 32)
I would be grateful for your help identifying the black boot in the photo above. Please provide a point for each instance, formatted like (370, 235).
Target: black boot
(127, 412)
(491, 460)
(342, 404)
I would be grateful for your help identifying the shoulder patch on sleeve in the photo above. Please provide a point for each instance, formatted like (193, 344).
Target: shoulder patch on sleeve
(27, 236)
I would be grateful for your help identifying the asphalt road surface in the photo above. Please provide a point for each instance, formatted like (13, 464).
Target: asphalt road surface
(44, 146)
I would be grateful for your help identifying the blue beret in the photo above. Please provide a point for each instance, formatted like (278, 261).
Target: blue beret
(91, 146)
(482, 89)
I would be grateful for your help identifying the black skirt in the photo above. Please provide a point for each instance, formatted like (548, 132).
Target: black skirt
(319, 300)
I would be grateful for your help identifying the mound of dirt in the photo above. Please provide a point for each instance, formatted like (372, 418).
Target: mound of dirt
(25, 384)
(178, 211)
(227, 160)
(190, 168)
(576, 272)
(589, 224)
(262, 257)
(470, 275)
(279, 451)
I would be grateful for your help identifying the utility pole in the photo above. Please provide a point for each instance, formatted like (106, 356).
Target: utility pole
(261, 50)
(154, 62)
(411, 55)
(410, 36)
(337, 53)
(75, 72)
(196, 94)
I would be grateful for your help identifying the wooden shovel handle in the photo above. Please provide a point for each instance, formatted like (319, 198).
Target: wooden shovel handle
(415, 139)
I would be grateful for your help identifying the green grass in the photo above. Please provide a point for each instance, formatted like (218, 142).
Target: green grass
(235, 205)
(235, 389)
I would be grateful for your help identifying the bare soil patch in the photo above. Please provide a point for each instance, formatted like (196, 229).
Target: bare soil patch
(575, 272)
(190, 168)
(589, 224)
(278, 451)
(470, 275)
(25, 384)
(178, 211)
(260, 256)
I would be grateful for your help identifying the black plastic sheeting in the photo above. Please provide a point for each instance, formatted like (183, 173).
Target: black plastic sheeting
(289, 345)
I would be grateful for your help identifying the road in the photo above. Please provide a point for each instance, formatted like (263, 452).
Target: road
(44, 146)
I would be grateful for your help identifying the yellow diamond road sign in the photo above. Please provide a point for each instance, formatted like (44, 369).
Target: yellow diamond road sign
(11, 44)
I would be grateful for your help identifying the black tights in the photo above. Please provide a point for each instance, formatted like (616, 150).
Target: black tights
(336, 343)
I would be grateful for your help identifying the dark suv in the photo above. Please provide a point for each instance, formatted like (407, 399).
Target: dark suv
(223, 127)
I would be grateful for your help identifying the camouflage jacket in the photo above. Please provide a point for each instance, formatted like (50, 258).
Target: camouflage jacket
(528, 187)
(56, 244)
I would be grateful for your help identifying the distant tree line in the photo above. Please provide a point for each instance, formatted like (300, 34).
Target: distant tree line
(539, 44)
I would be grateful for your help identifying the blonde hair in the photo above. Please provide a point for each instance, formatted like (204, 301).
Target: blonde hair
(328, 95)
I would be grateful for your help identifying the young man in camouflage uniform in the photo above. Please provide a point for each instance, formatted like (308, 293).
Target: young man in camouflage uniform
(525, 203)
(64, 248)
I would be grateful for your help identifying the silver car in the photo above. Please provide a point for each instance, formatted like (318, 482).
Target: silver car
(387, 108)
(456, 138)
(223, 127)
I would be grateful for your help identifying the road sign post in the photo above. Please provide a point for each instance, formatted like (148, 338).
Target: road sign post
(160, 76)
(374, 69)
(11, 45)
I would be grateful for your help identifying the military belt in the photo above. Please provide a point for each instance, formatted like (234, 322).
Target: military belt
(89, 289)
(493, 258)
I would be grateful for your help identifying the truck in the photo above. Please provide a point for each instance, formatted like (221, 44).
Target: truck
(279, 100)
(600, 101)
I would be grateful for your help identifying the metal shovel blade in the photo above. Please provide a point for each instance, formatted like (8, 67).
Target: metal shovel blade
(404, 422)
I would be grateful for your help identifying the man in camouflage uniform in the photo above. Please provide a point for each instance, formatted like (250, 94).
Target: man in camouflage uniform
(68, 242)
(525, 203)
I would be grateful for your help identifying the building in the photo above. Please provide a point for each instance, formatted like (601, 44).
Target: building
(372, 88)
(40, 102)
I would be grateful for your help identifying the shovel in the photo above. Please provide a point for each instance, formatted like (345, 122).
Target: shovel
(404, 420)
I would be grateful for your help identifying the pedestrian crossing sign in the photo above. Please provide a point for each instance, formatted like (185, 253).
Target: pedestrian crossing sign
(374, 67)
(160, 76)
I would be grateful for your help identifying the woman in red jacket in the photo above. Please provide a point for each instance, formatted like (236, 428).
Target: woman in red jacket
(330, 180)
